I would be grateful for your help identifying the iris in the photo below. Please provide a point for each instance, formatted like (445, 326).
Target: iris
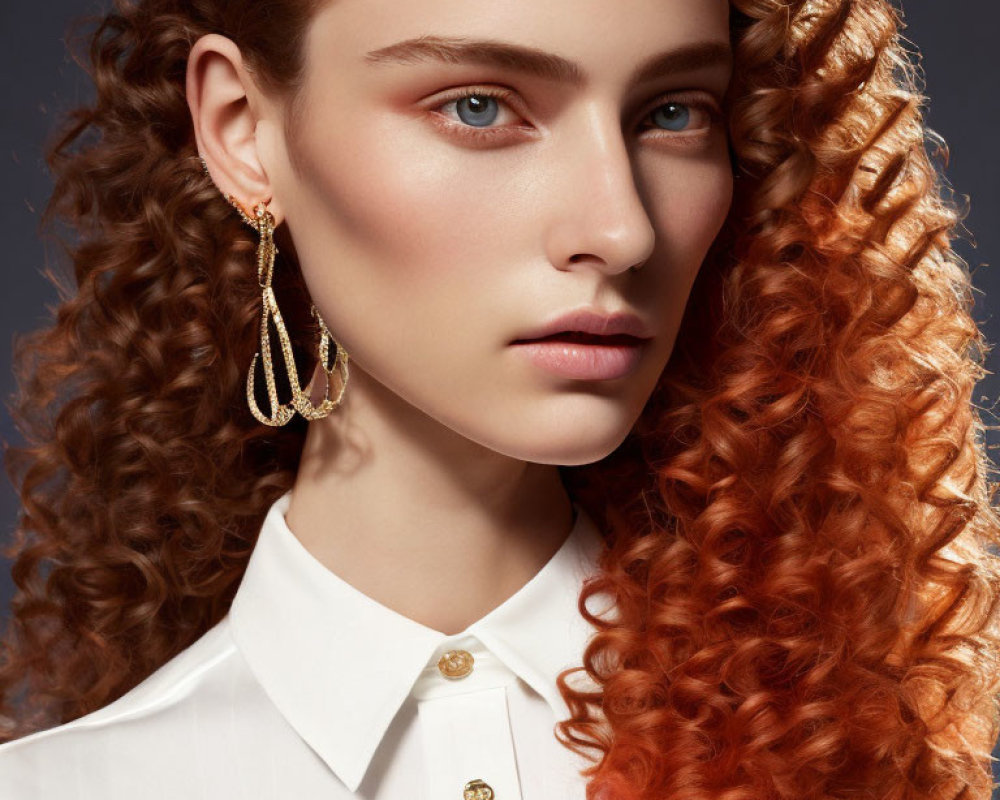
(477, 103)
(675, 118)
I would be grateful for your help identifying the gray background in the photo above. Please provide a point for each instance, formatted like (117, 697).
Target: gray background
(37, 80)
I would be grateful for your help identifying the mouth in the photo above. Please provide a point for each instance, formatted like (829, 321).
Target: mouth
(584, 356)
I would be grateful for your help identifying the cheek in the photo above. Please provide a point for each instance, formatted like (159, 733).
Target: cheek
(395, 228)
(404, 200)
(691, 205)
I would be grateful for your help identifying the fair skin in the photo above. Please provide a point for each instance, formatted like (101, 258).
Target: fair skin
(434, 487)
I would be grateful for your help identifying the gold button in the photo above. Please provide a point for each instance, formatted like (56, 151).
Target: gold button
(477, 790)
(456, 664)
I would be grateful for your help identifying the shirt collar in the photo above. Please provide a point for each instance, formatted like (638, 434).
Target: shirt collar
(339, 665)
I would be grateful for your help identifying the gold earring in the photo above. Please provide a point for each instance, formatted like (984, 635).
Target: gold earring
(263, 222)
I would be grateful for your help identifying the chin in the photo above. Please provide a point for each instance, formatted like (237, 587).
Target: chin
(577, 445)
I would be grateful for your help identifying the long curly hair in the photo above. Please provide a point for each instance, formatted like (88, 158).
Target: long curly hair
(801, 545)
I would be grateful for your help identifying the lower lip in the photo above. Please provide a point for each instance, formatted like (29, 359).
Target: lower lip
(581, 360)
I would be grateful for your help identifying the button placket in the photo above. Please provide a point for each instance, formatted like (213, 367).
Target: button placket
(468, 746)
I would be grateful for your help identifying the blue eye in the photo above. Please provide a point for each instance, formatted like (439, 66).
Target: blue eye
(674, 116)
(481, 109)
(689, 120)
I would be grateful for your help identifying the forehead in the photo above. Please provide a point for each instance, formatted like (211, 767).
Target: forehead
(587, 38)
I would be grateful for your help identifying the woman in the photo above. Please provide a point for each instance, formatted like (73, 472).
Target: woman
(421, 353)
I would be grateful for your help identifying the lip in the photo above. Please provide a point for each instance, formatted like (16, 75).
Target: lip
(592, 321)
(585, 361)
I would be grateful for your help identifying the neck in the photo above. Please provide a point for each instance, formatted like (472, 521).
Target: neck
(421, 519)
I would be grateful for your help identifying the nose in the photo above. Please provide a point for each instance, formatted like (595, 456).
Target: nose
(599, 216)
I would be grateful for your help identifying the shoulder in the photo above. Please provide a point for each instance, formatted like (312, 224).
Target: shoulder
(112, 751)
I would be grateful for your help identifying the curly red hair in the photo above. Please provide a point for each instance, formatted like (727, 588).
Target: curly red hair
(801, 542)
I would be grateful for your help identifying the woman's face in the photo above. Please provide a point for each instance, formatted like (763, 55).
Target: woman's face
(443, 207)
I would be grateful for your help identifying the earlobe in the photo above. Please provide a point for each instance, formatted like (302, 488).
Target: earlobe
(224, 105)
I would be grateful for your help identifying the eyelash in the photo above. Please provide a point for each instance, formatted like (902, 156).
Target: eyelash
(487, 134)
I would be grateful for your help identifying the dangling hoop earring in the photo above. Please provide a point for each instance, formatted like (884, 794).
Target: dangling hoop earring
(339, 361)
(281, 413)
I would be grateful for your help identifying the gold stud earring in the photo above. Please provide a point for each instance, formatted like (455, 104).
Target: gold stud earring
(263, 222)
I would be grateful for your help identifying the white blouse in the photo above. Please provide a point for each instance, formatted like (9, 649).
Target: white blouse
(308, 688)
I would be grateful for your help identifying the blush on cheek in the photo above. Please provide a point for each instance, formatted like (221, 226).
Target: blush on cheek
(393, 198)
(698, 216)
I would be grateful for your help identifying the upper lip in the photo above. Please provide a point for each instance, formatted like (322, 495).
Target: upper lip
(590, 320)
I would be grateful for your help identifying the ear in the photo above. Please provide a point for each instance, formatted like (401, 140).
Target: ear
(226, 106)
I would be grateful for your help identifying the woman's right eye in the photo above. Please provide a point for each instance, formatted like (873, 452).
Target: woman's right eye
(471, 112)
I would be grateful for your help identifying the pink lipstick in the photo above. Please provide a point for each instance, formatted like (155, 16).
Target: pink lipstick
(587, 345)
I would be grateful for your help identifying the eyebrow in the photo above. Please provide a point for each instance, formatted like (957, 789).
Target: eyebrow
(529, 60)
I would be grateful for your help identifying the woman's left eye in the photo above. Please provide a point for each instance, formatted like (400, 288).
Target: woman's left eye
(677, 117)
(478, 108)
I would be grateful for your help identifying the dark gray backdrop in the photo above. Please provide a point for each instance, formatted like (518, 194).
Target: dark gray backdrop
(37, 81)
